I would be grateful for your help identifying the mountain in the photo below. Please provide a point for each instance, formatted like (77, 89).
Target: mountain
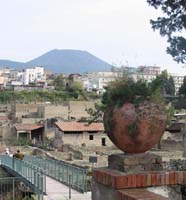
(63, 61)
(70, 61)
(11, 64)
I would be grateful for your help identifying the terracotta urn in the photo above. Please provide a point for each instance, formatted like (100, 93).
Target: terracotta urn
(135, 128)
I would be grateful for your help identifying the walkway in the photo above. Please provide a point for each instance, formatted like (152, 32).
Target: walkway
(41, 183)
(57, 191)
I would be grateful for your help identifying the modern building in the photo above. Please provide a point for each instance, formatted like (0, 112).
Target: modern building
(97, 81)
(148, 73)
(178, 81)
(150, 70)
(34, 75)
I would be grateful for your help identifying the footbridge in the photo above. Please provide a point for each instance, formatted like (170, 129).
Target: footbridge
(39, 172)
(23, 171)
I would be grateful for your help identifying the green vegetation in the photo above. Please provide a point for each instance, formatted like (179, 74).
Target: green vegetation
(133, 129)
(127, 90)
(182, 90)
(20, 142)
(172, 24)
(59, 82)
(164, 84)
(54, 96)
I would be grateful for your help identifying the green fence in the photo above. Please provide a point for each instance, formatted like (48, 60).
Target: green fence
(68, 174)
(13, 188)
(33, 175)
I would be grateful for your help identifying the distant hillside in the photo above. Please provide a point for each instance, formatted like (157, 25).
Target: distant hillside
(63, 61)
(70, 61)
(9, 63)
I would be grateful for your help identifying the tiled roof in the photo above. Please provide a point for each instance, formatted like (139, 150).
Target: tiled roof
(3, 118)
(80, 126)
(28, 127)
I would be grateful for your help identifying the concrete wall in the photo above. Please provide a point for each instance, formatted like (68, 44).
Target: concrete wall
(101, 192)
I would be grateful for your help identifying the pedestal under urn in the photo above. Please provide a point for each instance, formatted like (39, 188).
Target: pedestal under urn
(135, 128)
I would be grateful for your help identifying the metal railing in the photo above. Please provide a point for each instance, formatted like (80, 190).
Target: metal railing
(31, 173)
(13, 188)
(68, 174)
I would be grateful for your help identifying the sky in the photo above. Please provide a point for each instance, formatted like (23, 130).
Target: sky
(117, 31)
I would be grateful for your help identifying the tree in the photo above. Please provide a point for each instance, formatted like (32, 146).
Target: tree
(164, 84)
(77, 90)
(182, 90)
(172, 25)
(59, 82)
(170, 86)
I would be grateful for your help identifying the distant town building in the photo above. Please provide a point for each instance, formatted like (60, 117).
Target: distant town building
(178, 81)
(34, 75)
(150, 70)
(97, 81)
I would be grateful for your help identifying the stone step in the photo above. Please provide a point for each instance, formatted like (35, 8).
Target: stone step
(138, 194)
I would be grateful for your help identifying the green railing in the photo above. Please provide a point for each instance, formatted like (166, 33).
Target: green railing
(13, 188)
(68, 174)
(31, 173)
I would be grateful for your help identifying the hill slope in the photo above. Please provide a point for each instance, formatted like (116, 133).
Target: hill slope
(70, 61)
(11, 64)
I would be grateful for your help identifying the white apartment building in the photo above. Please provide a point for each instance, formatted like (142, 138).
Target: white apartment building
(178, 81)
(34, 75)
(98, 80)
(148, 73)
(6, 76)
(150, 70)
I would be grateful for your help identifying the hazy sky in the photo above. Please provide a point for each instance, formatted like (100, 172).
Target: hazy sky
(117, 31)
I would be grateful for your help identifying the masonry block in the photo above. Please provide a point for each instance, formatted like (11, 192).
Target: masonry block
(133, 163)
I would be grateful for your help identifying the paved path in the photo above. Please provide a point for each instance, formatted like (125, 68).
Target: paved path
(57, 191)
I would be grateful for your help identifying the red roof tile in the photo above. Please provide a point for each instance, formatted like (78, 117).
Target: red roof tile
(3, 118)
(28, 127)
(79, 126)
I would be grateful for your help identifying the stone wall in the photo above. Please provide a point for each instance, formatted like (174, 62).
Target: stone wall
(83, 139)
(24, 109)
(53, 111)
(67, 110)
(6, 132)
(78, 108)
(31, 120)
(169, 144)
